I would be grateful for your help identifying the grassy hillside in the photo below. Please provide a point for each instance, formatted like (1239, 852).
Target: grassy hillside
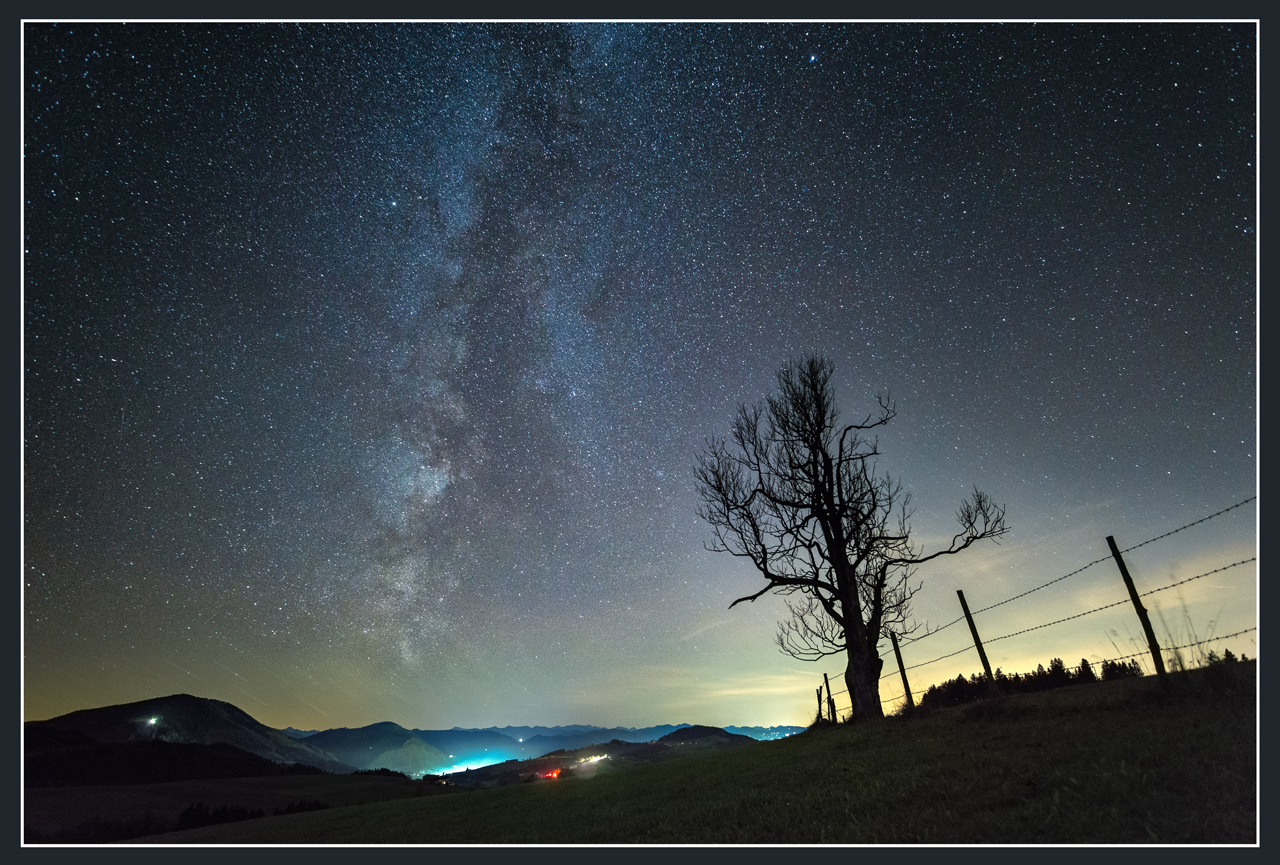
(93, 815)
(1115, 762)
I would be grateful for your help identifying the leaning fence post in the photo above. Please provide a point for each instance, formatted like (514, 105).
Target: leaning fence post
(1142, 611)
(902, 670)
(831, 704)
(977, 641)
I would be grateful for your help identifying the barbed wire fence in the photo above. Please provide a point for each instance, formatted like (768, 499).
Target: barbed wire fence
(831, 708)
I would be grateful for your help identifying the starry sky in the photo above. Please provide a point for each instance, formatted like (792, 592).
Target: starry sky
(365, 365)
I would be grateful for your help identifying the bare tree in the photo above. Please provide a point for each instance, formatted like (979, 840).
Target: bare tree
(799, 495)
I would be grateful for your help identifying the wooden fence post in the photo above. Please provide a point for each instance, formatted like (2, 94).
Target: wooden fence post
(821, 711)
(977, 641)
(831, 704)
(902, 670)
(1142, 611)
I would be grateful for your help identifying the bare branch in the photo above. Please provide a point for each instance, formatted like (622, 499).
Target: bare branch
(809, 635)
(980, 519)
(800, 495)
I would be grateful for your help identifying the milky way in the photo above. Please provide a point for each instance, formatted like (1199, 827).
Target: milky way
(366, 365)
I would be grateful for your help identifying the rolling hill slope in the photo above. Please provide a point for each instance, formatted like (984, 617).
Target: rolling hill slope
(185, 719)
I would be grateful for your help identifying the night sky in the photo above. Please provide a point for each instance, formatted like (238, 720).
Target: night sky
(366, 366)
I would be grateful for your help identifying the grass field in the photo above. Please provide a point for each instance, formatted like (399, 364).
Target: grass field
(1116, 762)
(96, 814)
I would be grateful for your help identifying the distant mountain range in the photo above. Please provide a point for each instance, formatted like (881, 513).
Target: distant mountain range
(520, 733)
(471, 748)
(647, 733)
(184, 719)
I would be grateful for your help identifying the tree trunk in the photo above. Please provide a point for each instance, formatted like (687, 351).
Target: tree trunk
(862, 678)
(862, 673)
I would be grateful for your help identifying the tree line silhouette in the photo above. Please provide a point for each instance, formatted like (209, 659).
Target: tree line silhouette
(961, 690)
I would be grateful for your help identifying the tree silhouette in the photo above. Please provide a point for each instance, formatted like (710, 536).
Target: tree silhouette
(1112, 670)
(799, 494)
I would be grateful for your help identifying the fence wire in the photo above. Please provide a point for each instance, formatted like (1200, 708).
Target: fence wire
(1125, 601)
(1076, 616)
(1059, 622)
(927, 663)
(1198, 576)
(1189, 525)
(1187, 646)
(906, 641)
(1078, 667)
(917, 694)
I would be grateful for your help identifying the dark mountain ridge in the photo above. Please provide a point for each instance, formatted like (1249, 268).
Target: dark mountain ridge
(384, 745)
(182, 719)
(699, 733)
(569, 732)
(295, 733)
(517, 732)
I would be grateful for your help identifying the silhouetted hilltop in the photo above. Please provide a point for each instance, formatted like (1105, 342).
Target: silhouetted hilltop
(295, 733)
(382, 746)
(183, 719)
(700, 733)
(468, 746)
